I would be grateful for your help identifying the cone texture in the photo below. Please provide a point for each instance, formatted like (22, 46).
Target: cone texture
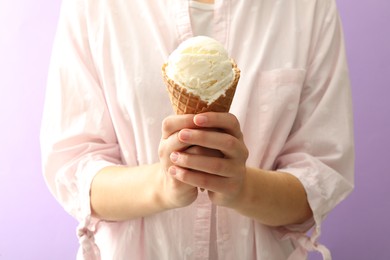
(184, 102)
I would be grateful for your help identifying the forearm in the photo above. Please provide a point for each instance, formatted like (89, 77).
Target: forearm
(273, 198)
(120, 193)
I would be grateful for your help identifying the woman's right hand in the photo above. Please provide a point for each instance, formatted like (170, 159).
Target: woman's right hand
(147, 189)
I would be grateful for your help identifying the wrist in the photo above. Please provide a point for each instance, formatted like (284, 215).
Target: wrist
(159, 188)
(248, 195)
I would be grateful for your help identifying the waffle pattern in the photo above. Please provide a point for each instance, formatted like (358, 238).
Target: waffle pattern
(184, 102)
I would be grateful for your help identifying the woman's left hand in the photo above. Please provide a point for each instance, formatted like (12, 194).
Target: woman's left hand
(223, 176)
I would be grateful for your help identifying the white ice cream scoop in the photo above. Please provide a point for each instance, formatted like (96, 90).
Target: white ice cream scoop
(202, 66)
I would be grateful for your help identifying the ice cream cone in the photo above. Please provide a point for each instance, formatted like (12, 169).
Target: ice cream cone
(184, 102)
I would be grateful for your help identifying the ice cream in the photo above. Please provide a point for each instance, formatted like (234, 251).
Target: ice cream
(200, 76)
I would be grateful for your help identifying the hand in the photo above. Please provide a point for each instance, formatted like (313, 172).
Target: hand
(223, 177)
(174, 193)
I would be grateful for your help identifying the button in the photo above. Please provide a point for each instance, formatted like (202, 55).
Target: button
(188, 250)
(126, 116)
(264, 108)
(150, 120)
(74, 189)
(254, 10)
(290, 107)
(203, 213)
(138, 80)
(204, 253)
(88, 97)
(244, 232)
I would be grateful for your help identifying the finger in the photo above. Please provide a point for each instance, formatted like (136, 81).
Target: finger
(228, 144)
(210, 182)
(174, 123)
(212, 165)
(226, 121)
(199, 150)
(172, 143)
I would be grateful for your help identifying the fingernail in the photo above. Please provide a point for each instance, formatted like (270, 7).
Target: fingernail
(172, 171)
(200, 120)
(174, 156)
(185, 134)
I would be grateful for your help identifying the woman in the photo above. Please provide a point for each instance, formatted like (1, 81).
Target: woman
(118, 160)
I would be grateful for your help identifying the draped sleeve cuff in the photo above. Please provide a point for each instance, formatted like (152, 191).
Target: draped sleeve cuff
(325, 189)
(303, 241)
(88, 224)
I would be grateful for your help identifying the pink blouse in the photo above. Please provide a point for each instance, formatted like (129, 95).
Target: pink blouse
(106, 100)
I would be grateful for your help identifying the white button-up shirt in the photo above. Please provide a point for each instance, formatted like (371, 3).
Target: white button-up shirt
(106, 101)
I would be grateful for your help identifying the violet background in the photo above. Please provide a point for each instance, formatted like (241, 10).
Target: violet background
(34, 226)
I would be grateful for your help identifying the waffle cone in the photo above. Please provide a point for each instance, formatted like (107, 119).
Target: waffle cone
(184, 102)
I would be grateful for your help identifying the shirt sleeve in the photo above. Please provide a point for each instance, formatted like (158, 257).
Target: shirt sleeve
(77, 135)
(320, 148)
